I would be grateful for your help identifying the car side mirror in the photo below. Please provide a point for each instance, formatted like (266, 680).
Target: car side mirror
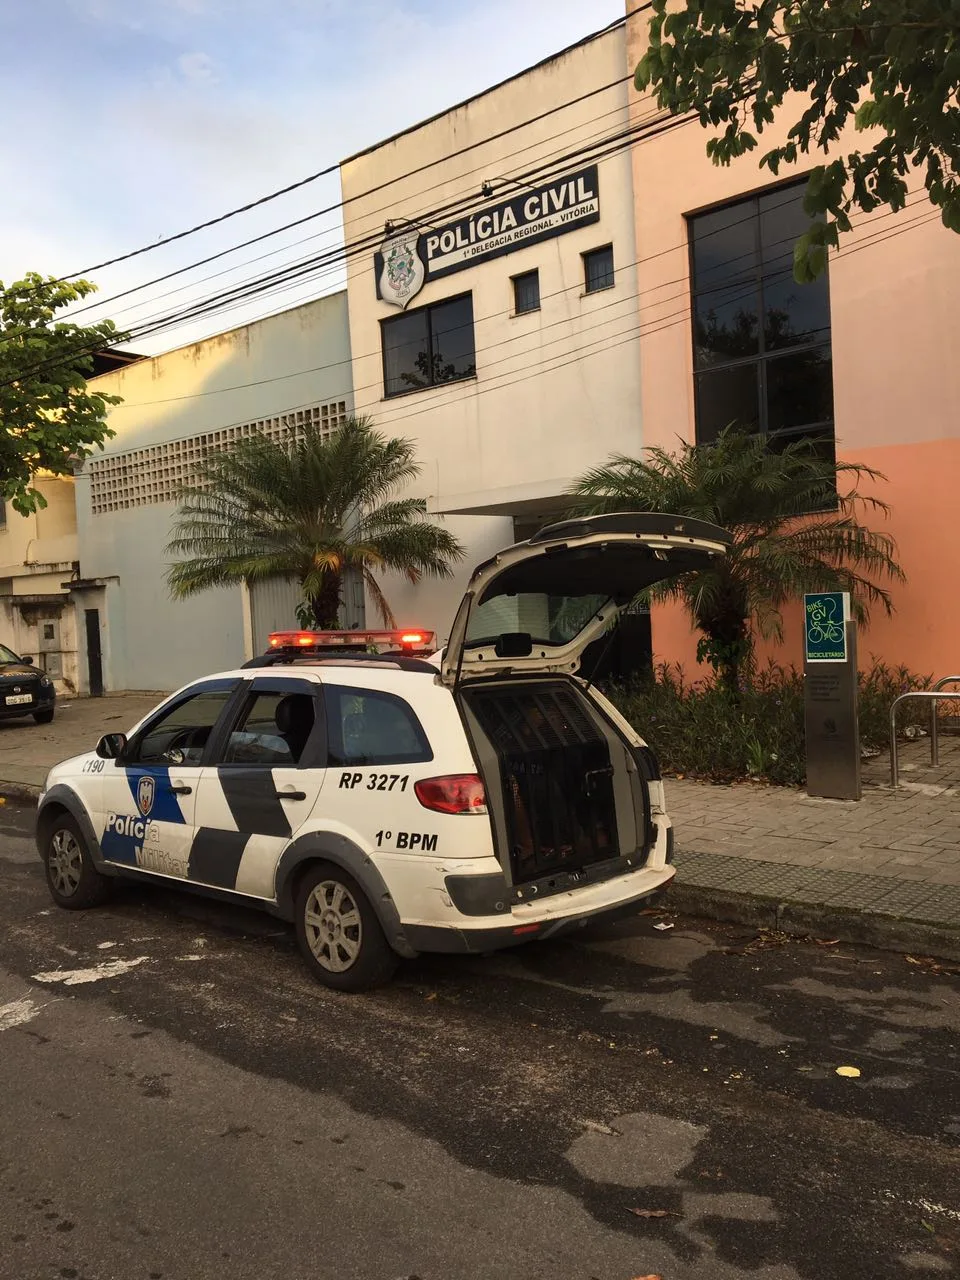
(25, 659)
(111, 745)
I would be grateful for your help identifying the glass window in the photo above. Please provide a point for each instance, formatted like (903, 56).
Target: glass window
(526, 292)
(7, 655)
(598, 269)
(179, 736)
(367, 727)
(547, 619)
(273, 731)
(761, 341)
(428, 347)
(3, 514)
(725, 396)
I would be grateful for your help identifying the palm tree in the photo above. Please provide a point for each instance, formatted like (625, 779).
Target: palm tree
(308, 509)
(795, 529)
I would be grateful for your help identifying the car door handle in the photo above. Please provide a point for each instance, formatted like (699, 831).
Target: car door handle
(290, 795)
(180, 789)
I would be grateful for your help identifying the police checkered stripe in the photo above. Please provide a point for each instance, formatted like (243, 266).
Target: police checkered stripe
(239, 829)
(256, 811)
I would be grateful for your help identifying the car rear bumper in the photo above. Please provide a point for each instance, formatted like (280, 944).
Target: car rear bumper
(529, 923)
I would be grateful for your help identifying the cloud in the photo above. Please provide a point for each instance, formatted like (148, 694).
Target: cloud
(197, 68)
(174, 135)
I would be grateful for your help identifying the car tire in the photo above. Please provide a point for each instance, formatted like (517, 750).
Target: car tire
(44, 717)
(340, 937)
(73, 880)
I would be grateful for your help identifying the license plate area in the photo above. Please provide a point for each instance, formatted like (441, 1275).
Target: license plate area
(18, 699)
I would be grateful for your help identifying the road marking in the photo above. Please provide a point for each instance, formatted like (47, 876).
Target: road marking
(17, 1012)
(927, 1206)
(76, 977)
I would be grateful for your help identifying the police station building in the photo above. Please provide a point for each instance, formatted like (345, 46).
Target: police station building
(493, 319)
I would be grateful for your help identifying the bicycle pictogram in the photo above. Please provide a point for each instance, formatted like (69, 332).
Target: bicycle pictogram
(823, 627)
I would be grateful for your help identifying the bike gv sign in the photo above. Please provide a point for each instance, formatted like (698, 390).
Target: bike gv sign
(825, 633)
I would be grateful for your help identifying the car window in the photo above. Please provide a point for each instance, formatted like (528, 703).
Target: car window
(272, 731)
(7, 655)
(179, 735)
(368, 727)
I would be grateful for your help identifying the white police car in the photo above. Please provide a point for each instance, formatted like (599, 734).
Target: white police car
(386, 806)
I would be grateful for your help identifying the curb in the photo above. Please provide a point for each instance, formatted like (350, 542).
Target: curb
(19, 790)
(863, 927)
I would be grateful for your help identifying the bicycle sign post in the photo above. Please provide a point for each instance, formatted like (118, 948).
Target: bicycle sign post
(830, 696)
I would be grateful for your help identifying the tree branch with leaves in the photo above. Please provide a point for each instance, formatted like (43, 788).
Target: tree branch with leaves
(49, 419)
(889, 66)
(797, 520)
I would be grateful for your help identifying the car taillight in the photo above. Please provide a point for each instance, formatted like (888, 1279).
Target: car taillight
(456, 793)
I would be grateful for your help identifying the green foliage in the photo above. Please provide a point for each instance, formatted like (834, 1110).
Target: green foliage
(48, 418)
(308, 509)
(887, 65)
(764, 498)
(705, 730)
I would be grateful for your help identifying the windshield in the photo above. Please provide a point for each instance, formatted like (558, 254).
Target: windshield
(7, 655)
(547, 619)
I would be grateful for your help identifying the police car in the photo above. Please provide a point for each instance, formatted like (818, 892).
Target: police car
(388, 805)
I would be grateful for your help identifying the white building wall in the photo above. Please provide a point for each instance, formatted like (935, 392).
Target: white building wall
(557, 390)
(288, 363)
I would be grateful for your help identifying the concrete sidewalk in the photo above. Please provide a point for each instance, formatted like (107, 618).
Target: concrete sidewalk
(885, 870)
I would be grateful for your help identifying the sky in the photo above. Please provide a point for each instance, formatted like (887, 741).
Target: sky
(127, 121)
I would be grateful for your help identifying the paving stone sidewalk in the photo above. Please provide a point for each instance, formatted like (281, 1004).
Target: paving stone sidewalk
(912, 833)
(884, 870)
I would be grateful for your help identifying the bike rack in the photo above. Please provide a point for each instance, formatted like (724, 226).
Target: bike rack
(934, 740)
(932, 696)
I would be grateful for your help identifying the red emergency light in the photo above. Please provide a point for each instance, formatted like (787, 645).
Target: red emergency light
(400, 641)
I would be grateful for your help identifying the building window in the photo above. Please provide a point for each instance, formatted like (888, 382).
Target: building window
(3, 514)
(526, 292)
(761, 342)
(428, 347)
(598, 269)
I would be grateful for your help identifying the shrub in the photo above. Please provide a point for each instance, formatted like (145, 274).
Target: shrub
(706, 730)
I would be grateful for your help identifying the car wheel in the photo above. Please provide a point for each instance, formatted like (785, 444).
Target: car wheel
(74, 882)
(339, 934)
(43, 717)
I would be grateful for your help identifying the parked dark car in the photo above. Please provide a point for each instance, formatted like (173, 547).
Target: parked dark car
(25, 690)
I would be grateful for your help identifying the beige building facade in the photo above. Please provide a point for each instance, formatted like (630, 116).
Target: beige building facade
(38, 557)
(493, 313)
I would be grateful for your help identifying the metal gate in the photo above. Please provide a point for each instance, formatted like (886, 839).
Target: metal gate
(273, 607)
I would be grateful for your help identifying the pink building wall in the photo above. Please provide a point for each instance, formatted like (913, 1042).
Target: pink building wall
(894, 286)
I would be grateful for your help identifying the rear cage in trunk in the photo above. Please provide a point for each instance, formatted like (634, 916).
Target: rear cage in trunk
(567, 793)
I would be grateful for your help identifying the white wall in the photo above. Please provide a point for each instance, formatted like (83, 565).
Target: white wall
(557, 390)
(296, 359)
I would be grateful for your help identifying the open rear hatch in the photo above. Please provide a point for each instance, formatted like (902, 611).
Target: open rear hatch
(566, 790)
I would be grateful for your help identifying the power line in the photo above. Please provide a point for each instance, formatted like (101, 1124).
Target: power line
(542, 366)
(102, 302)
(350, 200)
(609, 146)
(274, 195)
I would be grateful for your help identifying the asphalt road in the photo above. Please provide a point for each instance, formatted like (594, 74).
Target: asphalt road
(179, 1101)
